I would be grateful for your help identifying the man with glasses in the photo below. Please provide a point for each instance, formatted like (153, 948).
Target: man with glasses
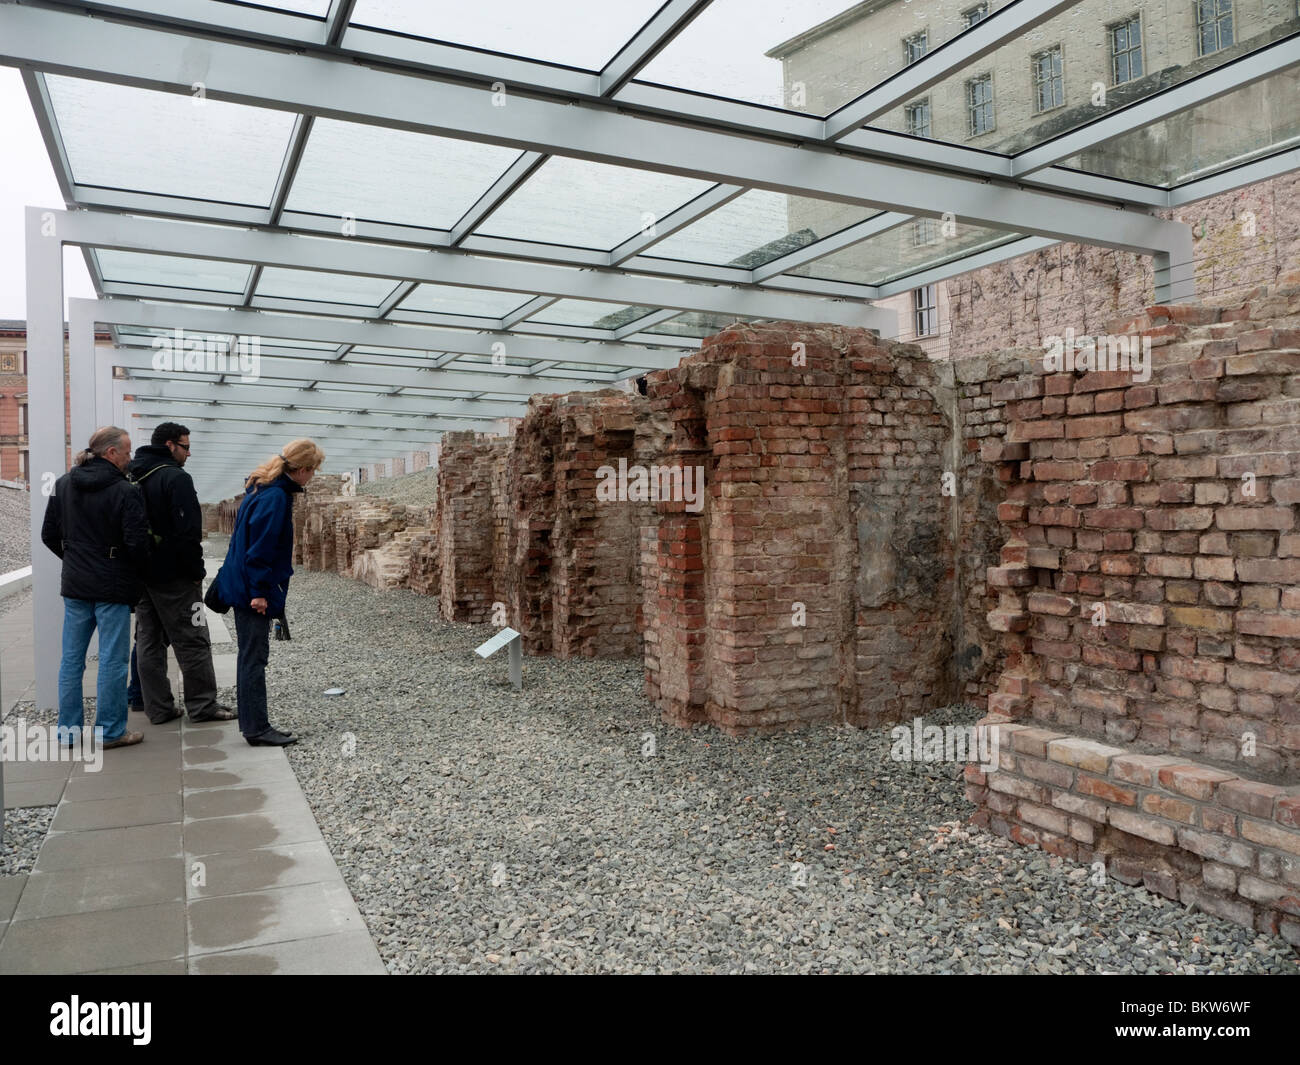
(171, 609)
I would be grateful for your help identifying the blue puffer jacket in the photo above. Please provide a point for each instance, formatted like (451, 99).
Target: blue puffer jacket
(259, 561)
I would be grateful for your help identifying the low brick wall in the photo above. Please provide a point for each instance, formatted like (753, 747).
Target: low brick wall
(1188, 831)
(1149, 611)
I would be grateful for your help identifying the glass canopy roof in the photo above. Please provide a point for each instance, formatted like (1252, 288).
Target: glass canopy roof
(436, 198)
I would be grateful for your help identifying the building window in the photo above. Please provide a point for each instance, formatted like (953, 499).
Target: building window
(979, 104)
(22, 419)
(1126, 50)
(1049, 84)
(25, 466)
(914, 47)
(979, 13)
(1213, 25)
(925, 231)
(918, 118)
(925, 306)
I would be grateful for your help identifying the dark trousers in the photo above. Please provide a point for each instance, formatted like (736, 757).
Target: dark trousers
(134, 694)
(253, 635)
(172, 612)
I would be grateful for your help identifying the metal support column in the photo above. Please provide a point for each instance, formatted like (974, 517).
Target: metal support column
(49, 458)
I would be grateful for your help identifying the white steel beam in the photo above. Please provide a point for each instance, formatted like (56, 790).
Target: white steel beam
(341, 255)
(378, 334)
(311, 84)
(318, 399)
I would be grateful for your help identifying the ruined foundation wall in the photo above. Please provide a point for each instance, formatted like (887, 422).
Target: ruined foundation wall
(467, 524)
(819, 580)
(1149, 601)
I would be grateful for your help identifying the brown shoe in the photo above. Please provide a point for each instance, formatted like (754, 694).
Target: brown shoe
(127, 739)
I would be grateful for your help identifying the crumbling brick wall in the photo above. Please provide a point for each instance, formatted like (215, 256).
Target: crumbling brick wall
(818, 582)
(1149, 606)
(573, 569)
(467, 524)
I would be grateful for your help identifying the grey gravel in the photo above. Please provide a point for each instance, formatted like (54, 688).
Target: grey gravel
(484, 830)
(416, 489)
(24, 832)
(15, 529)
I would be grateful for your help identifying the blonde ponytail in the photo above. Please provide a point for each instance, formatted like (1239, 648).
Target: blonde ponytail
(297, 455)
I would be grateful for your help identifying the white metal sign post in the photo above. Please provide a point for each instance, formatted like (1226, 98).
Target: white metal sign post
(507, 637)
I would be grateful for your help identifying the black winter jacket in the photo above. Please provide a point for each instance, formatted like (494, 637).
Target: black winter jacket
(95, 522)
(172, 507)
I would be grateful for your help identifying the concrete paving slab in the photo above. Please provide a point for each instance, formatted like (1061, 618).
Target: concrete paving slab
(202, 778)
(239, 872)
(109, 846)
(174, 967)
(348, 953)
(216, 835)
(85, 942)
(22, 772)
(93, 814)
(33, 792)
(102, 887)
(91, 786)
(11, 887)
(268, 798)
(278, 915)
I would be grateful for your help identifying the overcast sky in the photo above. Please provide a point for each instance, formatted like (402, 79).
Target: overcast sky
(26, 178)
(720, 52)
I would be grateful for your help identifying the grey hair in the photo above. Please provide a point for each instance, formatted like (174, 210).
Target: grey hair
(101, 440)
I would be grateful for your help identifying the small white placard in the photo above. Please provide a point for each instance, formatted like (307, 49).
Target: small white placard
(496, 643)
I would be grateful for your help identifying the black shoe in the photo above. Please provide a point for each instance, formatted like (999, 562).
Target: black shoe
(136, 709)
(164, 720)
(270, 738)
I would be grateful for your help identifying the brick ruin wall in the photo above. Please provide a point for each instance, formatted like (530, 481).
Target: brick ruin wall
(1242, 239)
(819, 580)
(1149, 606)
(832, 572)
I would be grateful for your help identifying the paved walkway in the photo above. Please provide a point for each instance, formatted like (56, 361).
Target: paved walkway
(190, 853)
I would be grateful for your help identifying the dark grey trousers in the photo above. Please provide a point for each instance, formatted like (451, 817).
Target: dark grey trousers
(175, 608)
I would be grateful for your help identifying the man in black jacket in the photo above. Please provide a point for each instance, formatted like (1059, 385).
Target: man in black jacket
(95, 522)
(171, 609)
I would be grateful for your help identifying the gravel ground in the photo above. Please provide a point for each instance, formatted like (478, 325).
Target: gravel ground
(15, 530)
(419, 489)
(485, 830)
(25, 831)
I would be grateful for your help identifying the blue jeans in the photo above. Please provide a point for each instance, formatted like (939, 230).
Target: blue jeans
(80, 618)
(253, 636)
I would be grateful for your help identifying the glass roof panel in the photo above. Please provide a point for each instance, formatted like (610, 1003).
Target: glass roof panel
(588, 313)
(756, 228)
(916, 245)
(1091, 59)
(174, 271)
(578, 33)
(393, 175)
(319, 8)
(284, 283)
(1246, 124)
(117, 136)
(697, 324)
(451, 299)
(727, 51)
(589, 205)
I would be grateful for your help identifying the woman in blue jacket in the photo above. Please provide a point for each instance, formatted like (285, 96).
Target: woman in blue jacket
(254, 579)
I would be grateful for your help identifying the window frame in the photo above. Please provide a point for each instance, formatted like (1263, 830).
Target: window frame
(1035, 85)
(1197, 7)
(923, 35)
(1140, 48)
(983, 7)
(925, 311)
(971, 133)
(927, 103)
